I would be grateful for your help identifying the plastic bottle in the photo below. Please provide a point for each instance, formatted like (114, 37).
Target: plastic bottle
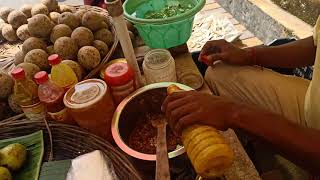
(61, 74)
(25, 90)
(26, 95)
(51, 95)
(120, 78)
(210, 155)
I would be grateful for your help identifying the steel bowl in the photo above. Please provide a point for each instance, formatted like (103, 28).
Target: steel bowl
(146, 99)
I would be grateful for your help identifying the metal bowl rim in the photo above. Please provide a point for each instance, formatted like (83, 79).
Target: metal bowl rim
(116, 117)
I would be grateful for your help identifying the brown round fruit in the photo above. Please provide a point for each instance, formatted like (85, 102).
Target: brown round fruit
(66, 48)
(69, 19)
(104, 35)
(82, 36)
(89, 57)
(14, 105)
(51, 4)
(75, 67)
(38, 57)
(23, 32)
(9, 33)
(19, 57)
(33, 43)
(60, 30)
(39, 9)
(29, 68)
(4, 13)
(92, 20)
(80, 13)
(26, 9)
(54, 16)
(17, 18)
(102, 48)
(65, 8)
(6, 82)
(40, 26)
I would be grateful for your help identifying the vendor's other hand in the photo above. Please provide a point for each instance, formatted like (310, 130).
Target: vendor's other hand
(190, 107)
(221, 50)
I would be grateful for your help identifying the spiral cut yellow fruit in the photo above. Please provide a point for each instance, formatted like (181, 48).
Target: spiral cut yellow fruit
(207, 150)
(210, 155)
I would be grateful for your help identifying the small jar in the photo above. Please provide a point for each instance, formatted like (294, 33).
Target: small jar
(159, 66)
(120, 78)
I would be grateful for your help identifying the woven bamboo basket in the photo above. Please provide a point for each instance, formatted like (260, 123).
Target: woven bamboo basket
(67, 142)
(8, 49)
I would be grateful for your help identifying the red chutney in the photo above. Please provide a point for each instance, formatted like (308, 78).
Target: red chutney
(144, 136)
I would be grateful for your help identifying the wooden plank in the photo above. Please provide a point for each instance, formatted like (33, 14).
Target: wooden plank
(211, 6)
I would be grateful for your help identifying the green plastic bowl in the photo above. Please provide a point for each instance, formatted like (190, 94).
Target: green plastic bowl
(163, 33)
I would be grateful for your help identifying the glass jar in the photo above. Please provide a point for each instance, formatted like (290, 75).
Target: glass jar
(159, 66)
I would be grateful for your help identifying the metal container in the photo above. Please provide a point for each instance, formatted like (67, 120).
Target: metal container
(90, 104)
(146, 99)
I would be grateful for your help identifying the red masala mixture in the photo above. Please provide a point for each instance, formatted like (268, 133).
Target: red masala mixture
(144, 136)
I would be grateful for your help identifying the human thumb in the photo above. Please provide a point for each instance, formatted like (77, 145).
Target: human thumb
(211, 59)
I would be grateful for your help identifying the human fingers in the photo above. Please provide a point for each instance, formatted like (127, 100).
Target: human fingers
(185, 121)
(180, 112)
(174, 97)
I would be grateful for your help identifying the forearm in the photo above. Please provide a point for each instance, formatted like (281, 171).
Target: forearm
(298, 144)
(299, 53)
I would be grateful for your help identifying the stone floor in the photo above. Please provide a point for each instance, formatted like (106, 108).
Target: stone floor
(247, 38)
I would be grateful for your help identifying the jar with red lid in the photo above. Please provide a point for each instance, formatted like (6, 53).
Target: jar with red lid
(120, 77)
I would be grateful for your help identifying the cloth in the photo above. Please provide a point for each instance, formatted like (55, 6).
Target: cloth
(312, 100)
(272, 91)
(262, 87)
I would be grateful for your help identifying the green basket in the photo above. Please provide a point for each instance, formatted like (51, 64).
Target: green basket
(163, 33)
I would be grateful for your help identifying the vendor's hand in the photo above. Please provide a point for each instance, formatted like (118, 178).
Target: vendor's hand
(224, 51)
(191, 107)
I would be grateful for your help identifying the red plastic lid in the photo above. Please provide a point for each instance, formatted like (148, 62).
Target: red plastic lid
(54, 59)
(41, 77)
(118, 74)
(18, 73)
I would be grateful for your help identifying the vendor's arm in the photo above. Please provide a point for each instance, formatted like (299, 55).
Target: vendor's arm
(298, 53)
(298, 144)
